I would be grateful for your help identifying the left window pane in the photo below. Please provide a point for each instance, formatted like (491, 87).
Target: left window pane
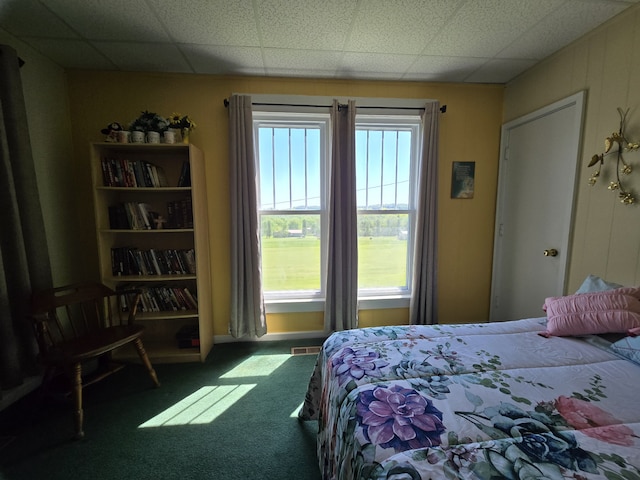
(290, 252)
(290, 164)
(289, 168)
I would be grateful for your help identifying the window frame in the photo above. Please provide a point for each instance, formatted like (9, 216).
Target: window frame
(298, 300)
(412, 124)
(392, 109)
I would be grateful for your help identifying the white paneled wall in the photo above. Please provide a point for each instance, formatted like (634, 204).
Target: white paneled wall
(605, 63)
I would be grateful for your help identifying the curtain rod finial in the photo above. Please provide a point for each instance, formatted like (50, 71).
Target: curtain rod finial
(226, 102)
(443, 108)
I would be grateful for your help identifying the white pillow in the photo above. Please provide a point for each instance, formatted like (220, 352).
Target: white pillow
(593, 283)
(628, 347)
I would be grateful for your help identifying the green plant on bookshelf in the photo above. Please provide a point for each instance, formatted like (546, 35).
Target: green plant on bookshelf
(149, 122)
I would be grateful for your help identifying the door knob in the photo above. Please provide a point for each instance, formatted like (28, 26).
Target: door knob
(551, 252)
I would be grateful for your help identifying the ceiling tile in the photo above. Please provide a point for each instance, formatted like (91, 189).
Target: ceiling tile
(152, 57)
(213, 22)
(71, 53)
(484, 28)
(452, 69)
(300, 73)
(304, 24)
(118, 20)
(31, 18)
(354, 74)
(207, 59)
(392, 66)
(415, 23)
(499, 70)
(309, 60)
(567, 23)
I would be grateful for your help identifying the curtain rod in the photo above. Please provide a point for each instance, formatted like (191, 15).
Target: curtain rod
(443, 108)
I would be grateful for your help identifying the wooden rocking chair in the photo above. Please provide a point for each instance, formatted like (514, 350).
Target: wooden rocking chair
(77, 323)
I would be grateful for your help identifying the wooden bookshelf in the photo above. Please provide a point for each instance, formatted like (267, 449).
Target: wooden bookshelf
(151, 258)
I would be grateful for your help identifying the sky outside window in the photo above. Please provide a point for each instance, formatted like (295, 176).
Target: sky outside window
(382, 168)
(289, 168)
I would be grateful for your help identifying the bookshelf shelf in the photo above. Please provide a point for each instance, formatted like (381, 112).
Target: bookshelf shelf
(149, 278)
(152, 232)
(138, 187)
(160, 316)
(144, 189)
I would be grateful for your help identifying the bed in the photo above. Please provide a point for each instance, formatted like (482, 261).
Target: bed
(485, 401)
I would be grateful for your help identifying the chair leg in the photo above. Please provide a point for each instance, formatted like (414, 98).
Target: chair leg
(145, 360)
(77, 398)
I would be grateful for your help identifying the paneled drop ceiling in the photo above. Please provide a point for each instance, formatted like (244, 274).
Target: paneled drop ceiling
(475, 41)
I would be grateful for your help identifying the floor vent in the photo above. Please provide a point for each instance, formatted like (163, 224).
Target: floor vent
(305, 350)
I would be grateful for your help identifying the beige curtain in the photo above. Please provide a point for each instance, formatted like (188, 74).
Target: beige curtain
(247, 301)
(341, 305)
(24, 258)
(423, 307)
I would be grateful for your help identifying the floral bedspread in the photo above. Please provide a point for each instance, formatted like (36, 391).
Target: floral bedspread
(481, 401)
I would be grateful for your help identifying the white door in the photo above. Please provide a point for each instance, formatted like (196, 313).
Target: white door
(538, 165)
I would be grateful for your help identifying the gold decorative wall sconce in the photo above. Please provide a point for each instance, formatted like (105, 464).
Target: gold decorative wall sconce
(622, 145)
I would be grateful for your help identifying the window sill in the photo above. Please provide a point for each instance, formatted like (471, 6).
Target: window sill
(317, 304)
(384, 301)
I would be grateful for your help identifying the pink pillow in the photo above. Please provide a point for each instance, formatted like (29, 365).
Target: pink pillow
(613, 311)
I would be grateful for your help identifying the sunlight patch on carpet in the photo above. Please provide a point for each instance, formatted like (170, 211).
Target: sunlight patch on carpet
(201, 407)
(294, 414)
(257, 366)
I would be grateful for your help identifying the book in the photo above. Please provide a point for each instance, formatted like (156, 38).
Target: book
(139, 174)
(188, 336)
(146, 216)
(185, 175)
(191, 299)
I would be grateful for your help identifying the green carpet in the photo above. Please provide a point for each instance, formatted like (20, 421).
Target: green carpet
(232, 417)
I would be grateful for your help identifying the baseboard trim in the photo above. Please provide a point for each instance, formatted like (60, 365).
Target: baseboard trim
(270, 337)
(13, 395)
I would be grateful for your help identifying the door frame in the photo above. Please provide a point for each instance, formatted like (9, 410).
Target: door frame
(576, 100)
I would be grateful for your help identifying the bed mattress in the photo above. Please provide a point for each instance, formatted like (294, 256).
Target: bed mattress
(484, 401)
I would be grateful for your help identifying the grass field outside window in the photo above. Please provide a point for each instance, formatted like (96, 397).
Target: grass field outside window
(294, 263)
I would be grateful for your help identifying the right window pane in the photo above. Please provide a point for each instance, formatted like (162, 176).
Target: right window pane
(385, 157)
(382, 251)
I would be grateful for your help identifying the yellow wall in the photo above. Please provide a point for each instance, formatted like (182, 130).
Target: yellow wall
(605, 63)
(469, 131)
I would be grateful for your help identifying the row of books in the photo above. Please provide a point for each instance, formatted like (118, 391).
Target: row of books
(140, 216)
(180, 213)
(133, 261)
(132, 216)
(163, 299)
(119, 172)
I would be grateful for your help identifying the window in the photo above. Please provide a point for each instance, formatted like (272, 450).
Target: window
(292, 164)
(291, 151)
(386, 152)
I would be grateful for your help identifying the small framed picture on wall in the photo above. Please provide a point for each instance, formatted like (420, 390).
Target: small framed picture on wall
(462, 179)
